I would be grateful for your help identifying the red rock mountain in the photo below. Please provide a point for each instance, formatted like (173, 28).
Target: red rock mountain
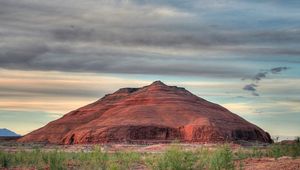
(154, 113)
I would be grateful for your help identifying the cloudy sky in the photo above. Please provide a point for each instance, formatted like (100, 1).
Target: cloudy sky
(56, 56)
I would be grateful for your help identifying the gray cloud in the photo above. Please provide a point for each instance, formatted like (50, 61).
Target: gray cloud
(116, 61)
(252, 88)
(21, 54)
(278, 69)
(240, 42)
(73, 33)
(259, 76)
(139, 37)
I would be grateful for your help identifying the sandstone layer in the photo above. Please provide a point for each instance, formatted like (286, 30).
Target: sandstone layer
(154, 113)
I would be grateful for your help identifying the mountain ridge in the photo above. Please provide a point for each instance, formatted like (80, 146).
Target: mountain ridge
(4, 132)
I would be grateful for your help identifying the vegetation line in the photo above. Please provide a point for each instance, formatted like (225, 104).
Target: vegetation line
(174, 158)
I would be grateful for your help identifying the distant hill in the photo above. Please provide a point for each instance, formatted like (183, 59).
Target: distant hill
(154, 113)
(6, 132)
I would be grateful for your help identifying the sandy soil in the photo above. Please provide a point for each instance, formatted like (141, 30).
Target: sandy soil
(283, 163)
(110, 148)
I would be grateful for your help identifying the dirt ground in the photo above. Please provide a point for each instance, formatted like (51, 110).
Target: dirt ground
(110, 148)
(283, 163)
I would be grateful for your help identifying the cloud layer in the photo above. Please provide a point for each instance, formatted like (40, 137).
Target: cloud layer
(143, 37)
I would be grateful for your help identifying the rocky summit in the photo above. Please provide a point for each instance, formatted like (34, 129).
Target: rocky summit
(154, 113)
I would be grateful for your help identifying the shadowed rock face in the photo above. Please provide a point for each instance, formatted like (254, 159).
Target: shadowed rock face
(154, 113)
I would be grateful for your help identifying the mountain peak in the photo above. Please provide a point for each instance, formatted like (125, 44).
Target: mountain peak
(158, 83)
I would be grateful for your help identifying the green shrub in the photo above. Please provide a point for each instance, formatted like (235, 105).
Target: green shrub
(175, 159)
(57, 160)
(222, 158)
(5, 160)
(295, 150)
(96, 159)
(241, 154)
(124, 160)
(203, 158)
(276, 151)
(99, 159)
(257, 153)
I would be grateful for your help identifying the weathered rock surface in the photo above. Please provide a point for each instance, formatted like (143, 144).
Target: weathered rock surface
(154, 113)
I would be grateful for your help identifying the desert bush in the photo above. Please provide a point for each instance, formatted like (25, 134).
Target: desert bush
(96, 159)
(20, 158)
(221, 158)
(34, 159)
(177, 159)
(275, 151)
(203, 158)
(5, 160)
(241, 154)
(278, 150)
(124, 160)
(57, 160)
(295, 150)
(257, 153)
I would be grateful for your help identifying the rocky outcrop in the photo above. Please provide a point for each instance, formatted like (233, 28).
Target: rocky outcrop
(154, 113)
